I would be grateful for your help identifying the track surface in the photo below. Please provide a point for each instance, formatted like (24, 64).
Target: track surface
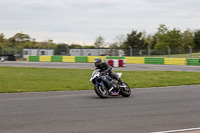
(129, 67)
(147, 110)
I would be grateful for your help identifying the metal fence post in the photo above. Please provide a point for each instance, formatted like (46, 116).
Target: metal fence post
(47, 50)
(38, 51)
(190, 51)
(29, 50)
(2, 52)
(22, 52)
(8, 50)
(81, 51)
(15, 50)
(115, 50)
(66, 50)
(149, 51)
(131, 50)
(52, 49)
(169, 51)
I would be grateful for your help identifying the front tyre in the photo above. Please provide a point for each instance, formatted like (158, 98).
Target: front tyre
(100, 91)
(125, 91)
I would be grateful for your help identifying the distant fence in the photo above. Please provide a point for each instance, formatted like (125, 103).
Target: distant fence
(175, 53)
(17, 52)
(129, 60)
(136, 52)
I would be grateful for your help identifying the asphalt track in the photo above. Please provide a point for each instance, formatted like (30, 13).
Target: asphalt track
(147, 110)
(129, 67)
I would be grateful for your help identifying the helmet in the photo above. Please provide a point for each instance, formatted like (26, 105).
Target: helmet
(97, 62)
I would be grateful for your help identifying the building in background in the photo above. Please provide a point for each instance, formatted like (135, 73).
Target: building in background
(35, 52)
(87, 52)
(96, 52)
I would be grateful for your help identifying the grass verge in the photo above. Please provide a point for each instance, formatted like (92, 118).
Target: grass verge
(24, 79)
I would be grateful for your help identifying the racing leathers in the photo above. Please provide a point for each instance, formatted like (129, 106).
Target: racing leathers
(106, 68)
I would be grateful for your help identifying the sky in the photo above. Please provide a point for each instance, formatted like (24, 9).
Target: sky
(82, 21)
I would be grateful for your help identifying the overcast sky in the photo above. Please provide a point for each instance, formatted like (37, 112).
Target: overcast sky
(82, 21)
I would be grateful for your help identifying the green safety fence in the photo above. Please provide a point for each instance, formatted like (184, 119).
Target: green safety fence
(114, 57)
(82, 59)
(34, 58)
(193, 61)
(56, 58)
(149, 60)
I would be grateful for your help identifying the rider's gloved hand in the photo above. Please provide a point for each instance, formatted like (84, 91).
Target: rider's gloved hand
(103, 73)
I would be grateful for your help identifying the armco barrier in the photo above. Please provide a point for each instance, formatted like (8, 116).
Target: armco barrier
(114, 57)
(90, 59)
(56, 58)
(27, 58)
(154, 60)
(82, 59)
(45, 58)
(175, 61)
(135, 60)
(34, 58)
(111, 62)
(68, 59)
(121, 62)
(116, 62)
(193, 61)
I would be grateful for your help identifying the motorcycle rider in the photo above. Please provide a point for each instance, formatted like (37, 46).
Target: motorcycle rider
(106, 68)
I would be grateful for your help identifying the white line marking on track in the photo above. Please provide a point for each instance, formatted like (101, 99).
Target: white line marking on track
(180, 130)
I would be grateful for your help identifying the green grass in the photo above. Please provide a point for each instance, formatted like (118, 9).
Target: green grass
(24, 79)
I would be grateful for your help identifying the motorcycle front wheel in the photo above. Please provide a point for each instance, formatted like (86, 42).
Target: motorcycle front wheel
(100, 91)
(126, 91)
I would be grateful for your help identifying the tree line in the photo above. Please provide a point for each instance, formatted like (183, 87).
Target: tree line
(163, 38)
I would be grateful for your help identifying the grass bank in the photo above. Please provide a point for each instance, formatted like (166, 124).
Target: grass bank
(24, 79)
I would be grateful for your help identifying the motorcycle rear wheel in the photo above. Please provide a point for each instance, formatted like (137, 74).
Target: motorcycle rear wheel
(100, 91)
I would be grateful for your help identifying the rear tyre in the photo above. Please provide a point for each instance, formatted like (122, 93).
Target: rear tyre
(126, 91)
(100, 91)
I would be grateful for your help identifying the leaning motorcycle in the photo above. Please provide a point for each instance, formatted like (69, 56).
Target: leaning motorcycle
(104, 85)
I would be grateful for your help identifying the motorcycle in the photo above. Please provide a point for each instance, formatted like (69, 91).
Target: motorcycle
(104, 85)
